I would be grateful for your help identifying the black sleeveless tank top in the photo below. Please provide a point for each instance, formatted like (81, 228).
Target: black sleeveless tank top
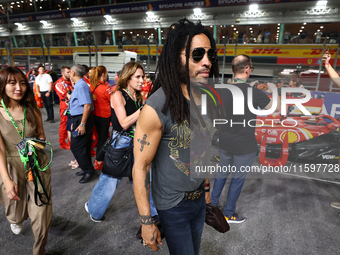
(130, 108)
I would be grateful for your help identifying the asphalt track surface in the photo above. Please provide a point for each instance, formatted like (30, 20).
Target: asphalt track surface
(287, 213)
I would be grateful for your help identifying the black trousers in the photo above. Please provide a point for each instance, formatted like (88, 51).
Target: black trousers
(81, 145)
(102, 126)
(48, 105)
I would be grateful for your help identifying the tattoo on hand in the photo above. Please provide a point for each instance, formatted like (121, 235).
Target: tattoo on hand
(146, 219)
(153, 236)
(143, 142)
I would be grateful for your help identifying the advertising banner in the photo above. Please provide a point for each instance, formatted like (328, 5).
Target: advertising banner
(135, 7)
(282, 52)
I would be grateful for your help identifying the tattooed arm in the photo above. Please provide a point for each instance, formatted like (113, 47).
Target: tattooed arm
(146, 139)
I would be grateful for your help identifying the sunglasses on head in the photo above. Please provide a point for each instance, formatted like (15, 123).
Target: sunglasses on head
(198, 53)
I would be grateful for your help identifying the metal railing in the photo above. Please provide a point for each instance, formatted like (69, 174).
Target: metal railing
(269, 60)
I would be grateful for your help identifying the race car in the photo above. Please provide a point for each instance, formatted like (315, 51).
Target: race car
(297, 137)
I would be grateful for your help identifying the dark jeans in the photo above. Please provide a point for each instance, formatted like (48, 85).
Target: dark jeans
(102, 126)
(48, 105)
(183, 226)
(81, 145)
(239, 162)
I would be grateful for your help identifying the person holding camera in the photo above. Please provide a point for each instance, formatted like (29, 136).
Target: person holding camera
(62, 87)
(20, 118)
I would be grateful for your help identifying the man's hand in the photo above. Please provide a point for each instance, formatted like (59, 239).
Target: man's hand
(329, 69)
(254, 83)
(151, 236)
(81, 130)
(326, 57)
(11, 190)
(271, 87)
(47, 94)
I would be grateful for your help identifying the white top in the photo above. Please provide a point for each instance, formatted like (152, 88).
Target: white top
(43, 82)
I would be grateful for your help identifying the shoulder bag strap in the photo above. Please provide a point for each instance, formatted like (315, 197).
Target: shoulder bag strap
(114, 140)
(96, 88)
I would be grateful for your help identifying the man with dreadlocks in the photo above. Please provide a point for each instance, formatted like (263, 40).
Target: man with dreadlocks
(162, 139)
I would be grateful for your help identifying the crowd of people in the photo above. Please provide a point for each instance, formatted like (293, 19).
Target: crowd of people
(266, 36)
(163, 188)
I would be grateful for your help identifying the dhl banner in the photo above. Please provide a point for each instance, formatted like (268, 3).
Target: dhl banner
(282, 51)
(284, 54)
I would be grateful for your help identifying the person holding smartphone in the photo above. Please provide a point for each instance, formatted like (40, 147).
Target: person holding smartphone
(336, 79)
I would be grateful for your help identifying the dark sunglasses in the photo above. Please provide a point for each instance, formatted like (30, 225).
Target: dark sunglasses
(198, 53)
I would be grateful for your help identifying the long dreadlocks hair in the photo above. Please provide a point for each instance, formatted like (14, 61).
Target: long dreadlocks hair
(169, 65)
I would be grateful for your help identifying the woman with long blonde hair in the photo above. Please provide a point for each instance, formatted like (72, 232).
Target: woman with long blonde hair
(101, 93)
(126, 103)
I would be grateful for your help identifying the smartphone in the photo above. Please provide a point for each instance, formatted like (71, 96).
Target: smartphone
(75, 133)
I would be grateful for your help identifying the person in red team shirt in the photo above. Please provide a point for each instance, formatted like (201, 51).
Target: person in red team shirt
(87, 75)
(146, 88)
(94, 136)
(101, 92)
(62, 86)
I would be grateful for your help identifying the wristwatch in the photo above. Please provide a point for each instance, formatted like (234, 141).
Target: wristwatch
(82, 124)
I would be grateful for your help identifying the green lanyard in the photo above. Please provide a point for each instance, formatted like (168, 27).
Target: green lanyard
(25, 159)
(238, 80)
(21, 133)
(136, 102)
